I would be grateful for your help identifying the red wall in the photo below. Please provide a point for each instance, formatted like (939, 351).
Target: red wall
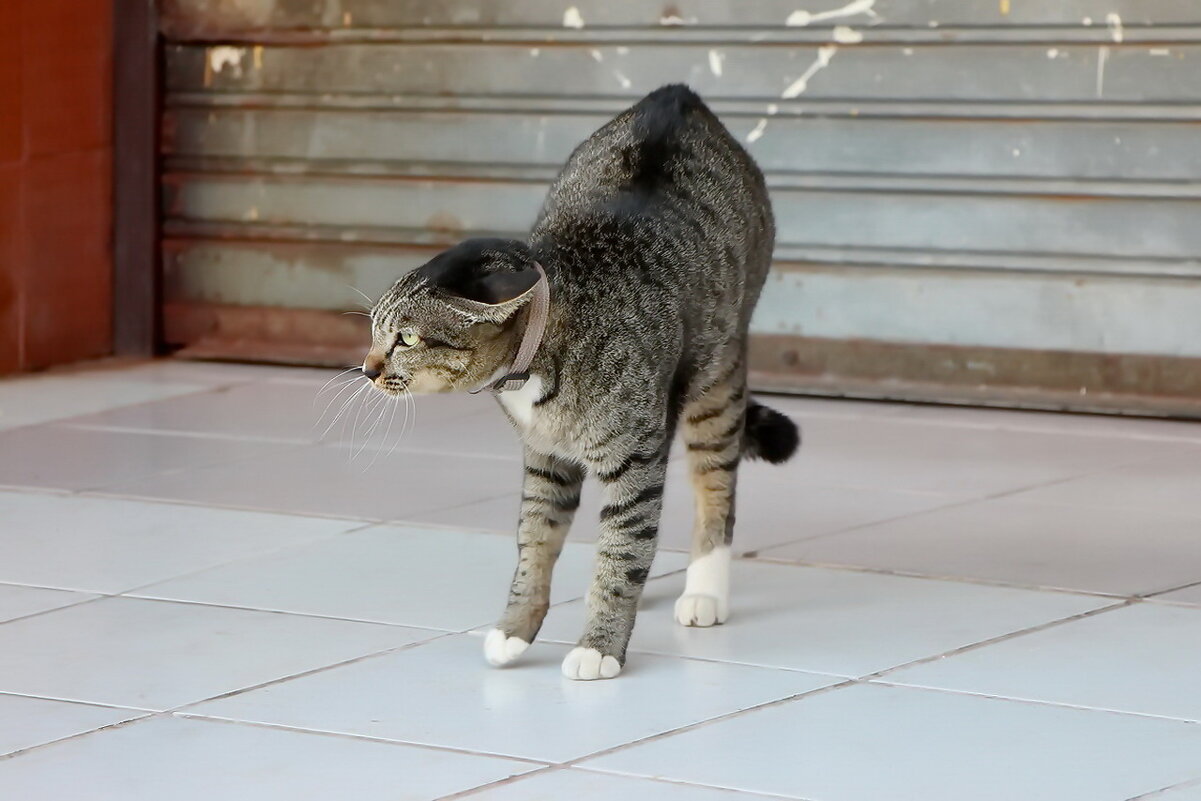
(55, 182)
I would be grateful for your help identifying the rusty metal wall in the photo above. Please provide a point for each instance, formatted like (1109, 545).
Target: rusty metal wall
(978, 200)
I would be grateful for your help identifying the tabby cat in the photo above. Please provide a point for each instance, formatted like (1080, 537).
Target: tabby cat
(653, 245)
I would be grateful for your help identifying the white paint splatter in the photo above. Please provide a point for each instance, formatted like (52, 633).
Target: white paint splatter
(1087, 21)
(1102, 58)
(622, 79)
(1017, 152)
(801, 18)
(572, 18)
(772, 109)
(798, 87)
(621, 51)
(847, 35)
(716, 57)
(1114, 21)
(535, 52)
(673, 19)
(597, 56)
(225, 56)
(1053, 53)
(1160, 51)
(908, 51)
(757, 131)
(932, 23)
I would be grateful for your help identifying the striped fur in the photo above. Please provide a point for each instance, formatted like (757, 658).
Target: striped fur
(656, 239)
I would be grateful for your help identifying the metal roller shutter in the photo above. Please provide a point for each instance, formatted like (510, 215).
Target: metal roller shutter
(987, 201)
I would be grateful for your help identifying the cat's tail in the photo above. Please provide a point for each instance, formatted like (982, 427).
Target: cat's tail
(770, 435)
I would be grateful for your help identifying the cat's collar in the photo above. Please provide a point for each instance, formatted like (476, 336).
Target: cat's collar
(531, 338)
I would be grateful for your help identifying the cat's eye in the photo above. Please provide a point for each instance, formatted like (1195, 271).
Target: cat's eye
(408, 338)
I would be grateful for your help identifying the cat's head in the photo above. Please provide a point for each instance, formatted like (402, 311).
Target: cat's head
(448, 326)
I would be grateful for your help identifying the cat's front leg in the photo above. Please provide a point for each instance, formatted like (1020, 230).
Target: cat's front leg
(550, 495)
(629, 527)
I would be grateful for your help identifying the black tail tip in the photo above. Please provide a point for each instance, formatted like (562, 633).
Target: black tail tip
(770, 435)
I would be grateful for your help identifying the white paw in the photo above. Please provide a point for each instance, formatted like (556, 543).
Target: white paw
(586, 664)
(501, 650)
(701, 610)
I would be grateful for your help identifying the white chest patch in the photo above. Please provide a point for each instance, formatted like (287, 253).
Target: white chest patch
(519, 403)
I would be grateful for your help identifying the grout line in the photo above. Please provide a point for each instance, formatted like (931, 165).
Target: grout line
(955, 504)
(121, 707)
(217, 436)
(499, 783)
(115, 495)
(310, 672)
(292, 612)
(983, 582)
(689, 784)
(78, 735)
(344, 735)
(708, 721)
(1030, 701)
(1152, 595)
(1162, 791)
(1000, 638)
(97, 597)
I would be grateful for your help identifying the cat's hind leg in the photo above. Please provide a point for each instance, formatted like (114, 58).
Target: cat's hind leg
(713, 426)
(550, 495)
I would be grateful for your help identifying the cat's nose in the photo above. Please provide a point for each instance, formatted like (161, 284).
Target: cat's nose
(372, 370)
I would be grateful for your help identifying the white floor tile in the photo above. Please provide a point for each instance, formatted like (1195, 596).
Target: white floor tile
(583, 785)
(1186, 792)
(1185, 595)
(321, 480)
(284, 412)
(867, 743)
(62, 457)
(771, 510)
(527, 710)
(1167, 484)
(1090, 548)
(109, 545)
(834, 621)
(27, 722)
(484, 431)
(172, 759)
(877, 452)
(28, 400)
(438, 579)
(21, 601)
(158, 655)
(1143, 658)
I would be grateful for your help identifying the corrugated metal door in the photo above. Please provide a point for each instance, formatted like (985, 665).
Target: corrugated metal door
(978, 200)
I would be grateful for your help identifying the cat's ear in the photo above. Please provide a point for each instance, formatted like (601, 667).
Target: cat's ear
(494, 297)
(499, 288)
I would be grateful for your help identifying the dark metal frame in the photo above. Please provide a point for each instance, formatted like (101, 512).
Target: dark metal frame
(136, 273)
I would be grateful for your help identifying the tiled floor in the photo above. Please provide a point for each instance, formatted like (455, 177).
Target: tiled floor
(202, 596)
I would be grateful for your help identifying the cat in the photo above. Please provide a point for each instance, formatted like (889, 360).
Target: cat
(636, 288)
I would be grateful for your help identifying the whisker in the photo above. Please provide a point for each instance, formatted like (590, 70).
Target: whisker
(341, 391)
(377, 409)
(361, 294)
(393, 402)
(365, 406)
(345, 405)
(335, 378)
(406, 396)
(359, 313)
